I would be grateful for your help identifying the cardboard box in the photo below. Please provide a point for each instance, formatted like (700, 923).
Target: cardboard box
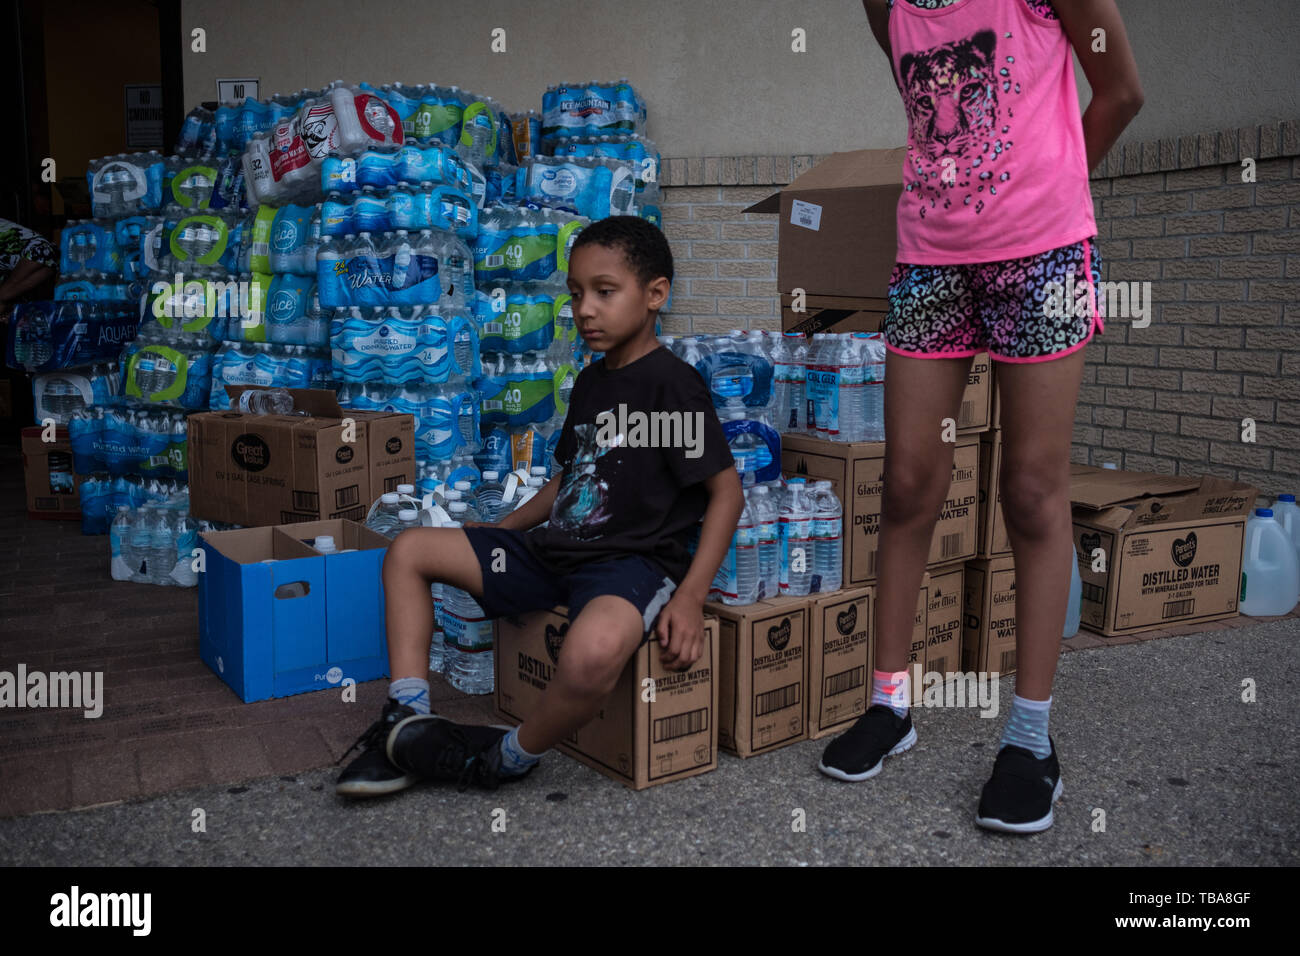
(638, 742)
(943, 618)
(991, 538)
(838, 224)
(1171, 547)
(989, 624)
(52, 488)
(278, 469)
(305, 622)
(831, 313)
(841, 631)
(763, 675)
(859, 466)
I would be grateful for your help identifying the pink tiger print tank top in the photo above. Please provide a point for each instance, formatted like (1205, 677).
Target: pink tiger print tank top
(996, 166)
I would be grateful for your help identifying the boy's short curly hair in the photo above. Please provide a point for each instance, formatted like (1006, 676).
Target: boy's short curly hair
(643, 244)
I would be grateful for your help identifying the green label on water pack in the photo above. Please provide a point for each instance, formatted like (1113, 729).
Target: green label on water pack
(563, 381)
(432, 119)
(564, 243)
(521, 251)
(522, 319)
(479, 113)
(218, 248)
(260, 256)
(202, 172)
(164, 359)
(518, 397)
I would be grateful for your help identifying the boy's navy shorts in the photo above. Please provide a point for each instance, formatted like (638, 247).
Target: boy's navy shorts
(528, 585)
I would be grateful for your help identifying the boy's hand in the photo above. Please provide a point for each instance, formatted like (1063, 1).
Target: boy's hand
(680, 630)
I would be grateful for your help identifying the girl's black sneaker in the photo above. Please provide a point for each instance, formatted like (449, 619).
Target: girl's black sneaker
(858, 753)
(1019, 795)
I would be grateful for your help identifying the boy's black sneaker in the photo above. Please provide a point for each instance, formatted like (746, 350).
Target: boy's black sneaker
(432, 748)
(1019, 795)
(372, 774)
(859, 752)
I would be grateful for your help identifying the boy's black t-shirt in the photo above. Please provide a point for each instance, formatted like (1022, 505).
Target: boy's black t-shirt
(622, 491)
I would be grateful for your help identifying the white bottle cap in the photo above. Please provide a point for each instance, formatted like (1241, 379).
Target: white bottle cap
(462, 486)
(538, 470)
(452, 495)
(408, 514)
(389, 498)
(488, 476)
(457, 507)
(406, 489)
(325, 543)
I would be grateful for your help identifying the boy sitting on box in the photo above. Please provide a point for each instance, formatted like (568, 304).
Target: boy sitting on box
(643, 458)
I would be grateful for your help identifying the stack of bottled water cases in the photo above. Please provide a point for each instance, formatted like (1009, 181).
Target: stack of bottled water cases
(594, 152)
(155, 542)
(831, 386)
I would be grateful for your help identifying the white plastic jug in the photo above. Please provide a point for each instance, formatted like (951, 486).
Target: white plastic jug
(1270, 570)
(1288, 516)
(1072, 612)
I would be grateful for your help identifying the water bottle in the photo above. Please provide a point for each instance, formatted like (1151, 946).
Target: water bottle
(1072, 608)
(383, 517)
(851, 384)
(744, 449)
(488, 497)
(828, 544)
(269, 401)
(460, 509)
(873, 386)
(164, 538)
(141, 546)
(467, 642)
(767, 538)
(1270, 569)
(745, 543)
(118, 540)
(795, 525)
(437, 640)
(406, 518)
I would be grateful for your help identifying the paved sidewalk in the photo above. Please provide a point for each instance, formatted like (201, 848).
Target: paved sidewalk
(1154, 733)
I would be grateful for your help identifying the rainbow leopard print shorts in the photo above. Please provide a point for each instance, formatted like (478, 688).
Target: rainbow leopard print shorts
(1020, 310)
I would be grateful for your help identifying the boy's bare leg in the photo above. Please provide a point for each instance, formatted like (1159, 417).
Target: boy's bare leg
(596, 649)
(415, 559)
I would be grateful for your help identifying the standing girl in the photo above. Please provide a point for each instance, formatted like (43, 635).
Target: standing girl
(996, 251)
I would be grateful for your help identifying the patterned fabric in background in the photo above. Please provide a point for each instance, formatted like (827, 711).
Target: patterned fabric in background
(1042, 8)
(18, 242)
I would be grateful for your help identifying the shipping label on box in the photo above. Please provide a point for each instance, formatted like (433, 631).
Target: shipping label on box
(839, 659)
(656, 726)
(856, 473)
(989, 622)
(762, 697)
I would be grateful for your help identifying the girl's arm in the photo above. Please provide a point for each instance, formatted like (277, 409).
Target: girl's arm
(1116, 90)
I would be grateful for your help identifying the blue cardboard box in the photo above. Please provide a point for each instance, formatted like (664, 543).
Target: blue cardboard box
(278, 618)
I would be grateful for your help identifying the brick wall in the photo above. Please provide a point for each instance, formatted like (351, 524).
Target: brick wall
(1222, 257)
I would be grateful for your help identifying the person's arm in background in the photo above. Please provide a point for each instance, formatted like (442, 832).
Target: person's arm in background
(27, 275)
(1116, 90)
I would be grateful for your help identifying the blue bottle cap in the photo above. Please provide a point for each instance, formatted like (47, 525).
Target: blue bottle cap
(1263, 512)
(1286, 497)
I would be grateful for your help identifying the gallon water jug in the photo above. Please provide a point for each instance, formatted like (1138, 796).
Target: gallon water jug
(1270, 572)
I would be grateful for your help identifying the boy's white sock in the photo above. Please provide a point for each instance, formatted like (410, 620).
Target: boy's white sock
(411, 691)
(514, 758)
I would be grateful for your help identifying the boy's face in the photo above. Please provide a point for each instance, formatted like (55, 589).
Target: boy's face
(610, 308)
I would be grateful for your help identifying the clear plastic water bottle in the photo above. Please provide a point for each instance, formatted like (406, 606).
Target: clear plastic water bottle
(468, 642)
(828, 546)
(873, 387)
(141, 546)
(384, 519)
(488, 497)
(746, 545)
(437, 646)
(769, 541)
(162, 553)
(850, 390)
(797, 557)
(119, 545)
(461, 510)
(1270, 569)
(744, 449)
(406, 518)
(266, 401)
